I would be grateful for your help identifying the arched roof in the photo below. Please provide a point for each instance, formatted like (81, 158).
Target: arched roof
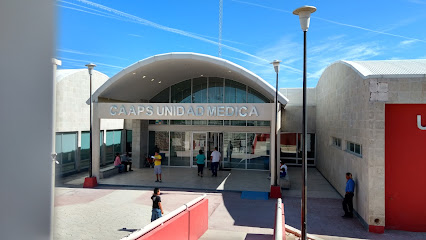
(144, 79)
(388, 68)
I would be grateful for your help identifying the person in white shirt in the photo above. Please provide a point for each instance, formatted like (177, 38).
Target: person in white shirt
(215, 158)
(283, 170)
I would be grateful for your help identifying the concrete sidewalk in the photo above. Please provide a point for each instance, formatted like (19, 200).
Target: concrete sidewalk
(102, 213)
(185, 178)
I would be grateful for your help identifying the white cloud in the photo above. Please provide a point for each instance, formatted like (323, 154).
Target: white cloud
(407, 42)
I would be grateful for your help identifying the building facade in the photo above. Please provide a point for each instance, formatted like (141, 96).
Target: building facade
(369, 118)
(364, 117)
(72, 126)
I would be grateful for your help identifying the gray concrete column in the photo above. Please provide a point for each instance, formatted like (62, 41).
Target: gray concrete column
(144, 136)
(136, 143)
(96, 142)
(103, 147)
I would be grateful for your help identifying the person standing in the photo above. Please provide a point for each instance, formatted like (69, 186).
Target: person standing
(157, 208)
(157, 165)
(215, 158)
(347, 202)
(200, 162)
(283, 169)
(117, 163)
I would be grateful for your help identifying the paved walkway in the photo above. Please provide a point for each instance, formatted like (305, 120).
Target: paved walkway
(186, 178)
(105, 211)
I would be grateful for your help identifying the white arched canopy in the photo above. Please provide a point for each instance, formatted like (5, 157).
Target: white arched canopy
(146, 78)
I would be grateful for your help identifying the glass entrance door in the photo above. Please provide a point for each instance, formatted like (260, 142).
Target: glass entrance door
(199, 142)
(215, 139)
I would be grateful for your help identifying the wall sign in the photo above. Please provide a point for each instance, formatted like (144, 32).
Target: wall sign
(419, 123)
(188, 111)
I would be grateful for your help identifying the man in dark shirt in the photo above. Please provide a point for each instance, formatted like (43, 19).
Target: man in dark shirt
(347, 202)
(157, 209)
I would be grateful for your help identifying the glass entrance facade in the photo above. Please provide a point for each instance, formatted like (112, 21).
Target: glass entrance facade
(249, 149)
(210, 90)
(239, 150)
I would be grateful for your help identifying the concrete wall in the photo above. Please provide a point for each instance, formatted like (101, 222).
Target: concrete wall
(344, 111)
(353, 109)
(291, 120)
(27, 46)
(72, 93)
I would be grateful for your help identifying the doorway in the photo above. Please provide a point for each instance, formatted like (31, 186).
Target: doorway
(199, 142)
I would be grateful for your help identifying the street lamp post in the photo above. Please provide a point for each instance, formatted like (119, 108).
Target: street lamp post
(90, 67)
(276, 64)
(304, 17)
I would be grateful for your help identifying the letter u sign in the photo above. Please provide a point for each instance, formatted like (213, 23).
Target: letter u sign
(419, 123)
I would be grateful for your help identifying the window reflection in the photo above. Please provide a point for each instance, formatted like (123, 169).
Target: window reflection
(215, 91)
(199, 90)
(181, 92)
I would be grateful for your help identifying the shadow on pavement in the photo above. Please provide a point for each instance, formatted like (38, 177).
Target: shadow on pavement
(250, 213)
(251, 236)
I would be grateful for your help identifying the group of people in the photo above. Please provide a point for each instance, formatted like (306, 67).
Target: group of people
(122, 162)
(214, 157)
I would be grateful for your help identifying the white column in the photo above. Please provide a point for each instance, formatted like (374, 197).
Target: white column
(78, 158)
(56, 63)
(96, 142)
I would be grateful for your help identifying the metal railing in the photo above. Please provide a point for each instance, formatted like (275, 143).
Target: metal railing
(162, 220)
(279, 221)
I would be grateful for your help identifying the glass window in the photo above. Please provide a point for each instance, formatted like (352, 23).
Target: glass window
(258, 150)
(235, 92)
(215, 91)
(180, 150)
(159, 122)
(288, 147)
(180, 122)
(337, 142)
(128, 140)
(254, 96)
(162, 97)
(113, 145)
(199, 122)
(310, 145)
(85, 150)
(159, 140)
(234, 149)
(235, 123)
(199, 90)
(216, 122)
(66, 150)
(181, 92)
(259, 123)
(354, 148)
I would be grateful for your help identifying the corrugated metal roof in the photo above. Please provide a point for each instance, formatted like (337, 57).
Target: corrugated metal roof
(389, 68)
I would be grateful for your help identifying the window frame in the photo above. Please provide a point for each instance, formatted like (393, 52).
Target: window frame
(351, 145)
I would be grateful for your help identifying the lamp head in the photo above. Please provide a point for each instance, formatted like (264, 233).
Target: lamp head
(90, 66)
(276, 64)
(304, 16)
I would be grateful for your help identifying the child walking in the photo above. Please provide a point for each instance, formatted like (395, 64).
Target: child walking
(157, 208)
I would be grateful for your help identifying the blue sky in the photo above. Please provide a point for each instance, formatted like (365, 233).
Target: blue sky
(116, 34)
